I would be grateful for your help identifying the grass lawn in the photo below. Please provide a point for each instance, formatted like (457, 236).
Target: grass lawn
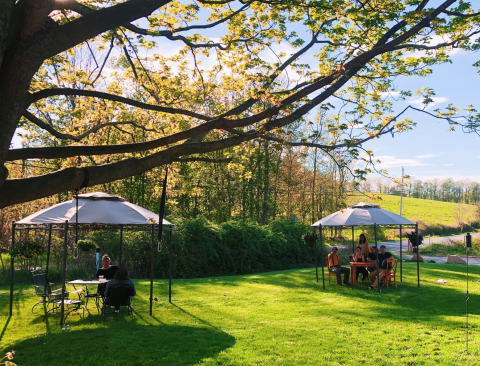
(428, 211)
(278, 318)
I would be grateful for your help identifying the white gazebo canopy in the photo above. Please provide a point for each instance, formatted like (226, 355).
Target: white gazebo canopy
(95, 208)
(362, 214)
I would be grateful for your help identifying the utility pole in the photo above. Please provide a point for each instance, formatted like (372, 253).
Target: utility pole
(401, 195)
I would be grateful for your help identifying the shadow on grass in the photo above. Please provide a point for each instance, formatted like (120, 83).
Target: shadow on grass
(124, 343)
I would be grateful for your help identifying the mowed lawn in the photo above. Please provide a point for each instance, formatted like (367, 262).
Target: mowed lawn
(278, 318)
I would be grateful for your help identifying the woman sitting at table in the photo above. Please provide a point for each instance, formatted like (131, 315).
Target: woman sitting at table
(363, 245)
(120, 280)
(360, 257)
(107, 271)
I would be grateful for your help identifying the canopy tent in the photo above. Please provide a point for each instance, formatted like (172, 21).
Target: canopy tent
(92, 209)
(364, 214)
(95, 208)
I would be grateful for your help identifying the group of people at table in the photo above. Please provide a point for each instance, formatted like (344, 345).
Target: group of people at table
(363, 253)
(117, 277)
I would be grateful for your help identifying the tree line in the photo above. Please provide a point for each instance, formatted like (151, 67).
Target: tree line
(447, 190)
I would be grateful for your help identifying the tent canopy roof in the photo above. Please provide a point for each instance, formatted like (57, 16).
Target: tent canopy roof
(95, 208)
(362, 214)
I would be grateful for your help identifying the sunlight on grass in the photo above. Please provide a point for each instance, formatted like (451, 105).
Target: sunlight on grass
(278, 318)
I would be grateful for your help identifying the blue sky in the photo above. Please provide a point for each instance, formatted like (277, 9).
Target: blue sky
(431, 151)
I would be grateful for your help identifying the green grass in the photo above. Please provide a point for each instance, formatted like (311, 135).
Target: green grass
(428, 211)
(278, 318)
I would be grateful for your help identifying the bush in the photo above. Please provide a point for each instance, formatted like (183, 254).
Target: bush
(86, 245)
(26, 249)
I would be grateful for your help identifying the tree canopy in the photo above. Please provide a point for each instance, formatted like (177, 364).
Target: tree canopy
(127, 86)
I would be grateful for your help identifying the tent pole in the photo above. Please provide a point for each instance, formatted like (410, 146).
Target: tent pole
(48, 249)
(170, 268)
(152, 267)
(322, 260)
(418, 255)
(12, 270)
(401, 257)
(64, 288)
(315, 252)
(353, 239)
(121, 246)
(376, 251)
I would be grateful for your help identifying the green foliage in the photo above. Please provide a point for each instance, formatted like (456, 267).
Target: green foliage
(413, 238)
(86, 245)
(26, 249)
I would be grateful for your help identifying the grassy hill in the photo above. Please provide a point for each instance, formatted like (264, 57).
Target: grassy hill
(429, 211)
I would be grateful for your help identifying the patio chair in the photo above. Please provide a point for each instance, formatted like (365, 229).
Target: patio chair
(43, 289)
(118, 295)
(391, 272)
(330, 273)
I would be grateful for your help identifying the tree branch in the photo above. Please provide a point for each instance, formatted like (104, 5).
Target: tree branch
(65, 136)
(115, 98)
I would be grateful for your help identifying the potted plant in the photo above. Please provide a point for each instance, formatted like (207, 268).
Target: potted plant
(413, 240)
(86, 245)
(26, 249)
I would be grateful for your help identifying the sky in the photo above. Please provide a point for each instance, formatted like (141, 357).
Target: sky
(430, 150)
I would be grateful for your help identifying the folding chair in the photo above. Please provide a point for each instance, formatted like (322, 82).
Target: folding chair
(43, 289)
(118, 295)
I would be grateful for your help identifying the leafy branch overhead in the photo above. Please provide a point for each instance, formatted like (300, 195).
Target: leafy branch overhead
(143, 83)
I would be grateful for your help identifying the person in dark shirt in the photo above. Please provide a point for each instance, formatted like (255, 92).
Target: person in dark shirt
(107, 271)
(360, 257)
(382, 266)
(120, 280)
(371, 258)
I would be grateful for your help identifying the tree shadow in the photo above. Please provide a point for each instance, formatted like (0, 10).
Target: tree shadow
(124, 343)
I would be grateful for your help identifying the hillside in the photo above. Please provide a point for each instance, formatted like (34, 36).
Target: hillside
(428, 211)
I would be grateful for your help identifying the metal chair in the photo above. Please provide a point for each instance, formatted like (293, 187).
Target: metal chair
(43, 289)
(118, 295)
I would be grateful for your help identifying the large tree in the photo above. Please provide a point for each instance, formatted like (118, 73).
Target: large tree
(183, 110)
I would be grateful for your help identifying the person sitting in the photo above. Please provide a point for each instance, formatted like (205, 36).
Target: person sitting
(363, 245)
(122, 280)
(371, 258)
(382, 266)
(335, 266)
(360, 257)
(107, 271)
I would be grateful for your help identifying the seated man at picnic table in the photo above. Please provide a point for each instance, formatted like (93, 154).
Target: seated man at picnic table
(107, 271)
(371, 258)
(382, 266)
(335, 266)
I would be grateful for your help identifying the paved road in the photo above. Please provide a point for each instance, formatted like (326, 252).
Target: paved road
(394, 247)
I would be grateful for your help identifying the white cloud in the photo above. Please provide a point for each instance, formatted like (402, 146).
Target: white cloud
(448, 164)
(425, 156)
(436, 100)
(392, 162)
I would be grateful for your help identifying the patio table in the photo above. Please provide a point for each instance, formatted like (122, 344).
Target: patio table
(353, 269)
(95, 296)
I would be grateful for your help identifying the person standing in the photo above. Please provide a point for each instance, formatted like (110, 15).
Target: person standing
(363, 244)
(335, 266)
